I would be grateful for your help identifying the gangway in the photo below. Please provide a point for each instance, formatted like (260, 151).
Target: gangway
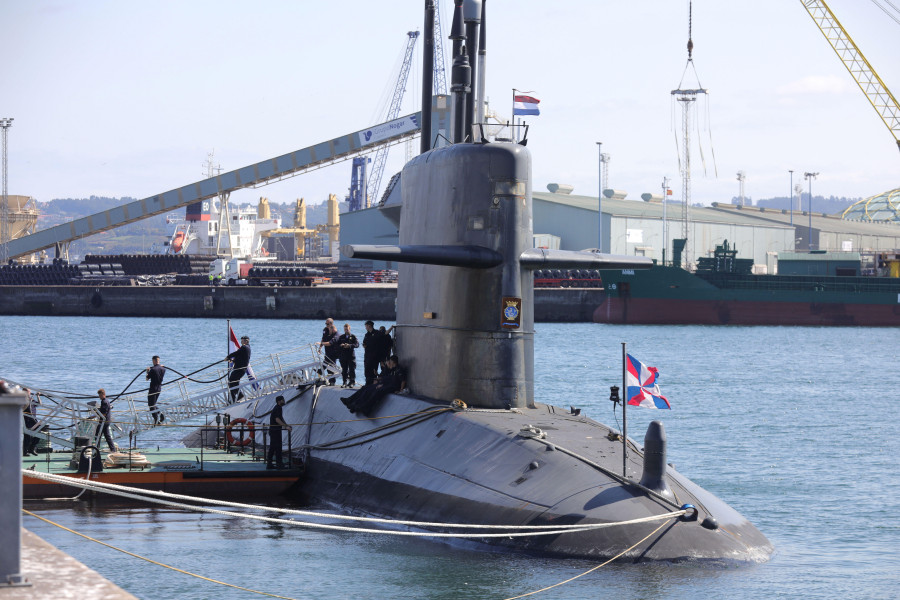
(178, 402)
(263, 173)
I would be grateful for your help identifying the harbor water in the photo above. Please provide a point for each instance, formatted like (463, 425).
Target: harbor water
(794, 427)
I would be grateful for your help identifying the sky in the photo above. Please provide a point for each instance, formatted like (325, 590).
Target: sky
(116, 98)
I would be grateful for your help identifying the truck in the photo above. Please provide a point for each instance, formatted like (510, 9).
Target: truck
(229, 271)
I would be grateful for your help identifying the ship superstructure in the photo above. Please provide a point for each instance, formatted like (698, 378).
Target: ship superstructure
(208, 230)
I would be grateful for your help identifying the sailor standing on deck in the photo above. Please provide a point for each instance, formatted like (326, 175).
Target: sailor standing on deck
(240, 359)
(155, 375)
(348, 345)
(330, 341)
(276, 422)
(371, 353)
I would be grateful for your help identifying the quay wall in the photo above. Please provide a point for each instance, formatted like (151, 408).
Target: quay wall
(344, 302)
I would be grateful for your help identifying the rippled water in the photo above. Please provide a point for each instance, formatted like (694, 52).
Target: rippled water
(794, 427)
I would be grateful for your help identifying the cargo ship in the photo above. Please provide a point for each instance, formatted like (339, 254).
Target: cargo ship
(816, 288)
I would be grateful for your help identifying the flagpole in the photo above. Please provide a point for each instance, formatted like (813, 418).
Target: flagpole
(228, 341)
(512, 121)
(624, 415)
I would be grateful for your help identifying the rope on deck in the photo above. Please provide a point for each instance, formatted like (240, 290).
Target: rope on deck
(511, 531)
(149, 560)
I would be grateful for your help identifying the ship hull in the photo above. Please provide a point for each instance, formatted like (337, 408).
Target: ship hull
(445, 466)
(672, 296)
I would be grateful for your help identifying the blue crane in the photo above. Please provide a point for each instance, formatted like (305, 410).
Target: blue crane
(374, 181)
(440, 73)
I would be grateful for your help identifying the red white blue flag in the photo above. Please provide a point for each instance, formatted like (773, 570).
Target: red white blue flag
(526, 105)
(642, 389)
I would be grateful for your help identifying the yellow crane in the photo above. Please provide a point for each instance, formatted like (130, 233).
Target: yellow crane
(869, 82)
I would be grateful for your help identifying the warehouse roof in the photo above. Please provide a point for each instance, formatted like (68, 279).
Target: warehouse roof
(649, 210)
(820, 221)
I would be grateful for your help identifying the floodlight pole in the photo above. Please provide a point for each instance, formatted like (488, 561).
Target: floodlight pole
(809, 178)
(600, 198)
(5, 124)
(791, 171)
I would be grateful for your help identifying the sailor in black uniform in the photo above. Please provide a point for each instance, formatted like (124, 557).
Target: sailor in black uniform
(365, 399)
(330, 341)
(371, 352)
(276, 422)
(348, 345)
(29, 442)
(240, 359)
(155, 375)
(105, 419)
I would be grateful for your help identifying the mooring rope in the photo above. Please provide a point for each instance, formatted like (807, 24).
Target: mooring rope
(517, 530)
(150, 560)
(592, 569)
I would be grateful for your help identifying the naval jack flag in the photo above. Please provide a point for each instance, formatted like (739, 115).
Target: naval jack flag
(641, 389)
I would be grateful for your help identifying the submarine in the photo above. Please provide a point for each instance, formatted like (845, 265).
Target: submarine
(468, 441)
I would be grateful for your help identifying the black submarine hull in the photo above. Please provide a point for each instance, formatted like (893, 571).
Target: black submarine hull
(417, 459)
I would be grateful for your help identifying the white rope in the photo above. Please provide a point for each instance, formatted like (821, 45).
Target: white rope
(145, 495)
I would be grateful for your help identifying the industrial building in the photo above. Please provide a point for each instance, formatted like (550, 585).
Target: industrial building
(638, 227)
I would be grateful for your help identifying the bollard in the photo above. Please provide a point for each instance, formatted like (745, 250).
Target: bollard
(11, 489)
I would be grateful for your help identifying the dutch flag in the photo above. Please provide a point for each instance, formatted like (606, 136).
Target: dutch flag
(642, 389)
(526, 105)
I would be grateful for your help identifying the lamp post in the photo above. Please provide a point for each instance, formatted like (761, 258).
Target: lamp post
(5, 124)
(809, 177)
(600, 198)
(791, 171)
(665, 196)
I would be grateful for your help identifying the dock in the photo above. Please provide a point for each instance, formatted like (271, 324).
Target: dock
(344, 301)
(51, 574)
(204, 472)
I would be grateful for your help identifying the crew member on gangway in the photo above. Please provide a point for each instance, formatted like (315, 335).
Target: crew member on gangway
(105, 420)
(330, 341)
(155, 375)
(240, 359)
(30, 442)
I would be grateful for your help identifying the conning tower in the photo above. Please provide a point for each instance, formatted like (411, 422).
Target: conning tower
(465, 317)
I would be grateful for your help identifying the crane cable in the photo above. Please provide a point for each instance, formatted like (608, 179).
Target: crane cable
(887, 12)
(150, 560)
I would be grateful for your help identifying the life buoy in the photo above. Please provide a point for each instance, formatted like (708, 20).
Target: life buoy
(242, 442)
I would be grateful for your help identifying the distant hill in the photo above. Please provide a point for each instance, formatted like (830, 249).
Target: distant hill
(139, 237)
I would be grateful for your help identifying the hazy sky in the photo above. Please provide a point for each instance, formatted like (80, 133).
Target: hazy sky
(128, 98)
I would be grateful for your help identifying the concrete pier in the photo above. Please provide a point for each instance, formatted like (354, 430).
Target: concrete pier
(344, 302)
(54, 575)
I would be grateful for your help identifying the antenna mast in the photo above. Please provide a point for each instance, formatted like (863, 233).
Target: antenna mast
(687, 97)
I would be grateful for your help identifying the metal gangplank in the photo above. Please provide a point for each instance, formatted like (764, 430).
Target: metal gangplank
(63, 420)
(262, 173)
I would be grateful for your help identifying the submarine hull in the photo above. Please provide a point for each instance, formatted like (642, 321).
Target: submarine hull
(417, 459)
